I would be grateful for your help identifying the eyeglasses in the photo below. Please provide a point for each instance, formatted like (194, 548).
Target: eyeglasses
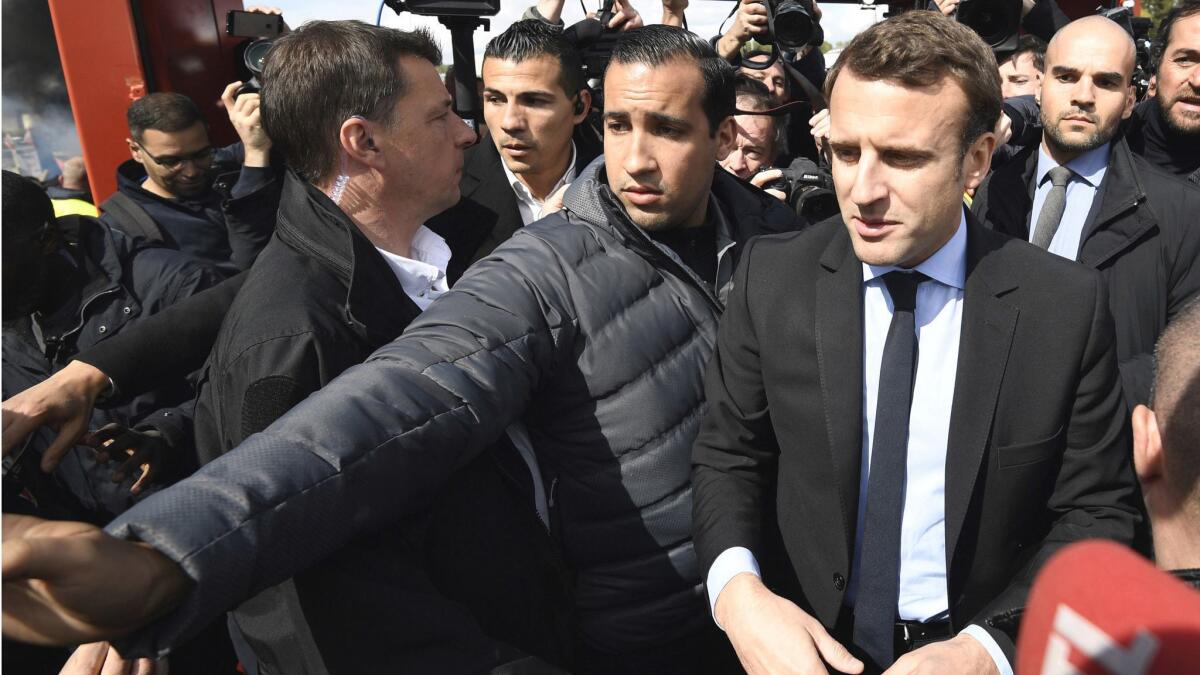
(201, 158)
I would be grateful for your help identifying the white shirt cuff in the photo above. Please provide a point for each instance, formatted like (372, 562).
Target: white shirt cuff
(731, 562)
(989, 643)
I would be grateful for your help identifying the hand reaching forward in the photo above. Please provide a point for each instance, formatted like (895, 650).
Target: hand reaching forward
(70, 583)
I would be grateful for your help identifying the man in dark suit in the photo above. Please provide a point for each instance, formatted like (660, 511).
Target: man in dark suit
(918, 410)
(536, 104)
(1112, 210)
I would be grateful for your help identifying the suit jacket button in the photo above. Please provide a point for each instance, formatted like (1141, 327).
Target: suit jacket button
(839, 582)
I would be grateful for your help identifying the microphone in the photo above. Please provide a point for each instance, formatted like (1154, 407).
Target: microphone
(1097, 608)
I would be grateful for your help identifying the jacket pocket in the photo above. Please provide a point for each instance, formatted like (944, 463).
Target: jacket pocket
(1020, 454)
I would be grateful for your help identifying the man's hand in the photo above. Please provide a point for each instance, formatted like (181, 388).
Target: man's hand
(70, 583)
(247, 121)
(63, 402)
(819, 127)
(772, 635)
(554, 202)
(145, 451)
(962, 654)
(1003, 129)
(672, 14)
(948, 7)
(99, 658)
(624, 17)
(761, 178)
(751, 21)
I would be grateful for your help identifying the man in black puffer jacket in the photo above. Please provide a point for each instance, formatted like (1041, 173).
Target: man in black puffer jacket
(590, 327)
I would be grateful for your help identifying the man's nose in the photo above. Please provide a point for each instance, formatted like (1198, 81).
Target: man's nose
(640, 159)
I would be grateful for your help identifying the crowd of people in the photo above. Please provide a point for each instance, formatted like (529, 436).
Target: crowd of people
(587, 390)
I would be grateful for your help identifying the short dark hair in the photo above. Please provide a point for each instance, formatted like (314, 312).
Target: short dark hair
(162, 111)
(26, 207)
(1028, 44)
(1181, 10)
(323, 73)
(533, 38)
(1176, 398)
(920, 49)
(745, 86)
(658, 44)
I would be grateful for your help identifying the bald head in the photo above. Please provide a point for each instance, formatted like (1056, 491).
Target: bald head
(1086, 89)
(1094, 36)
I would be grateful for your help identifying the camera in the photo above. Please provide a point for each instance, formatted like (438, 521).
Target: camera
(808, 189)
(792, 24)
(1139, 29)
(262, 29)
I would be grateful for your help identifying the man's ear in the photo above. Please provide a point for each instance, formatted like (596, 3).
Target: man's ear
(583, 105)
(1147, 446)
(357, 141)
(1130, 102)
(726, 137)
(135, 150)
(978, 160)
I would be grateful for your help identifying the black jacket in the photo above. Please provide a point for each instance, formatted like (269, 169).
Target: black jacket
(320, 299)
(1038, 445)
(226, 226)
(487, 215)
(581, 327)
(122, 283)
(1143, 236)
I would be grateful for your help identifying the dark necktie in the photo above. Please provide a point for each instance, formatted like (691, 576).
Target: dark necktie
(879, 557)
(1053, 208)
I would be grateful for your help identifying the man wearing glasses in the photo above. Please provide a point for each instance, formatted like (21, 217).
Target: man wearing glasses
(181, 191)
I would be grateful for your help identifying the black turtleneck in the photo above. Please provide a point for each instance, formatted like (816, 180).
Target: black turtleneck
(1150, 136)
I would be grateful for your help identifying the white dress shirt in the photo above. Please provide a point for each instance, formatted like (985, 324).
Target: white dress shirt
(938, 318)
(527, 204)
(423, 275)
(1088, 170)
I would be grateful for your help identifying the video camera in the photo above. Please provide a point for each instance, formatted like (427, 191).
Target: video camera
(808, 189)
(1138, 28)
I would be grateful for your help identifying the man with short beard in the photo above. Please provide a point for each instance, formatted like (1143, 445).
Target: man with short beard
(1083, 195)
(1166, 129)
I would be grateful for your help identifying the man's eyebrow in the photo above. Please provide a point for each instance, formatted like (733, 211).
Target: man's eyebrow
(1064, 70)
(615, 114)
(663, 118)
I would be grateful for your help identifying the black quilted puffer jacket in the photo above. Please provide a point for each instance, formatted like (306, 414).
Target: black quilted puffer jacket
(579, 326)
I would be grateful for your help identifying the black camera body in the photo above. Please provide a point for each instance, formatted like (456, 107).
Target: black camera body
(262, 29)
(792, 24)
(1138, 28)
(808, 189)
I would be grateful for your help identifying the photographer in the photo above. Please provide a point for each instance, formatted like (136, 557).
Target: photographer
(744, 42)
(217, 204)
(758, 136)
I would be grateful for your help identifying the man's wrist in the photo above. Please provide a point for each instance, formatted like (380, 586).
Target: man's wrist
(257, 157)
(91, 379)
(729, 45)
(985, 642)
(739, 587)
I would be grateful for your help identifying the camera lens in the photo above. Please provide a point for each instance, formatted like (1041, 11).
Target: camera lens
(255, 54)
(793, 25)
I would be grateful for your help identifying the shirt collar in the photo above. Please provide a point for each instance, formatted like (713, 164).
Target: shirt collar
(948, 265)
(1090, 166)
(426, 268)
(523, 192)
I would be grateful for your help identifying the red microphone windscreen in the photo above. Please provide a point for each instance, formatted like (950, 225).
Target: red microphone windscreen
(1097, 608)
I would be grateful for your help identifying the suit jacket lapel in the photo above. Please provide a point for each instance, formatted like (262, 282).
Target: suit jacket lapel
(839, 341)
(988, 325)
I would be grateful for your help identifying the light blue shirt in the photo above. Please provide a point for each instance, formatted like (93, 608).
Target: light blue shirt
(938, 318)
(1088, 171)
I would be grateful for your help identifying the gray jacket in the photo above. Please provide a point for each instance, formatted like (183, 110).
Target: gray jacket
(579, 326)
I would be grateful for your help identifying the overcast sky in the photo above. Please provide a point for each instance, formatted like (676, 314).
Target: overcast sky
(841, 22)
